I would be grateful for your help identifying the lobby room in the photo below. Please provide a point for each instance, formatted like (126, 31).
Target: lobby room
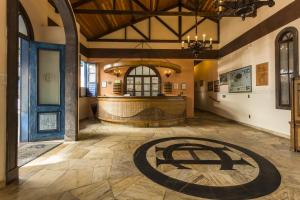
(149, 99)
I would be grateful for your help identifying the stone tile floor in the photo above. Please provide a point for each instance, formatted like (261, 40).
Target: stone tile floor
(101, 166)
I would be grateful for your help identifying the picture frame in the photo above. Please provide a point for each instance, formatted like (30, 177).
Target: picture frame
(240, 80)
(217, 86)
(210, 86)
(104, 84)
(183, 86)
(175, 86)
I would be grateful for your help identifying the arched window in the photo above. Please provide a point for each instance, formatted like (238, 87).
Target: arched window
(25, 27)
(286, 65)
(142, 81)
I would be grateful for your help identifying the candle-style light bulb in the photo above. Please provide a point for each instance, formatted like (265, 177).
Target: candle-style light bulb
(204, 37)
(196, 37)
(210, 41)
(188, 38)
(182, 44)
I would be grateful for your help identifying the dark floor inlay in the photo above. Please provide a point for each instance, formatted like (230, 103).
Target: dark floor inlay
(207, 168)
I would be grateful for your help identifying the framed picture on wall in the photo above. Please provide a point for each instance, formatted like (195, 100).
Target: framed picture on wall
(217, 86)
(176, 86)
(240, 80)
(103, 84)
(183, 86)
(262, 74)
(210, 86)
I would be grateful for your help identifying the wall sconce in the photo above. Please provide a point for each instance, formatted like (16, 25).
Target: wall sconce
(168, 73)
(117, 72)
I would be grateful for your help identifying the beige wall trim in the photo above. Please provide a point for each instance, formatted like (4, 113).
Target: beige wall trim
(274, 133)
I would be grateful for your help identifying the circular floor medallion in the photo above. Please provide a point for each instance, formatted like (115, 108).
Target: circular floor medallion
(207, 168)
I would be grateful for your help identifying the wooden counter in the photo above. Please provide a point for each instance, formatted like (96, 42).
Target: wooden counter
(143, 111)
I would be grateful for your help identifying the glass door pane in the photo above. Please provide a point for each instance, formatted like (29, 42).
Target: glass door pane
(48, 77)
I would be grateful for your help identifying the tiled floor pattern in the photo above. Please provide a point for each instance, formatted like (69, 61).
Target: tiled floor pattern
(100, 165)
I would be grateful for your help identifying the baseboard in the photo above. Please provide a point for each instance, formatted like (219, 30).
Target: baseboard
(83, 119)
(12, 175)
(274, 133)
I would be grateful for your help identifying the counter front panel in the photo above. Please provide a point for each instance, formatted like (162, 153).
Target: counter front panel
(142, 111)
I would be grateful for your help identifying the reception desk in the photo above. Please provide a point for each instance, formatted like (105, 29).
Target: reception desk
(143, 111)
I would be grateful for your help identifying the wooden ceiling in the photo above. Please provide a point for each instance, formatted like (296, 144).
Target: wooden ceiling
(96, 25)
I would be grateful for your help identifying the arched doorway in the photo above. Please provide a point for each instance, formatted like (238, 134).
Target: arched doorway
(71, 80)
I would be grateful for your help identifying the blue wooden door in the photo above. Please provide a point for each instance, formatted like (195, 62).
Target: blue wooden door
(46, 92)
(24, 88)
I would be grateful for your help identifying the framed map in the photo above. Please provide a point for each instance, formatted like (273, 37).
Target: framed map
(240, 80)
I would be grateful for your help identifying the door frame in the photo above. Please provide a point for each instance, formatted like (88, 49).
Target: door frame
(71, 81)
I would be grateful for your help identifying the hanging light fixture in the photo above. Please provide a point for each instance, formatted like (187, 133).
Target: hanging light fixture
(197, 46)
(242, 8)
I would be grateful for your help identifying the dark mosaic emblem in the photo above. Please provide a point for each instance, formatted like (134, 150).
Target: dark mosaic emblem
(182, 154)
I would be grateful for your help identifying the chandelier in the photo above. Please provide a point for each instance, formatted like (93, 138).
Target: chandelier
(242, 8)
(197, 46)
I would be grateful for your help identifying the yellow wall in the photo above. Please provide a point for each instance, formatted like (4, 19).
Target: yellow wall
(38, 12)
(205, 71)
(3, 45)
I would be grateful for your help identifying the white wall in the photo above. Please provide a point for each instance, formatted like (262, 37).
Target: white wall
(230, 30)
(3, 45)
(261, 105)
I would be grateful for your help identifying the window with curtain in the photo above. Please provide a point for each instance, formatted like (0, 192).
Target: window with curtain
(286, 65)
(88, 79)
(142, 81)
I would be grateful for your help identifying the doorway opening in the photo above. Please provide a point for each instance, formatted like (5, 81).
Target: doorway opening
(65, 115)
(41, 101)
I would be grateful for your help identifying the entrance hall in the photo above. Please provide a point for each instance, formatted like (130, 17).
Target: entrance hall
(149, 99)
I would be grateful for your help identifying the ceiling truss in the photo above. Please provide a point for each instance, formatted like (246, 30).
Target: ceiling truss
(146, 15)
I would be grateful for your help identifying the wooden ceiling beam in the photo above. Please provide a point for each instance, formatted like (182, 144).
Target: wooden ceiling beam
(148, 41)
(140, 4)
(139, 32)
(194, 26)
(80, 3)
(159, 19)
(95, 38)
(148, 13)
(167, 26)
(215, 18)
(146, 53)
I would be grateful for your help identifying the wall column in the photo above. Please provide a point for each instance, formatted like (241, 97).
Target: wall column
(3, 74)
(71, 69)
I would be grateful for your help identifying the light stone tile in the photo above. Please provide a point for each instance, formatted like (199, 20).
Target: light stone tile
(100, 165)
(94, 191)
(43, 178)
